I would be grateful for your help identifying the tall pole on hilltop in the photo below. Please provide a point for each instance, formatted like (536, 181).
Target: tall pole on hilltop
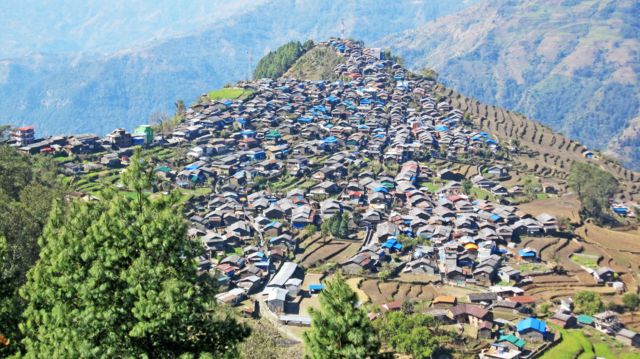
(250, 66)
(341, 29)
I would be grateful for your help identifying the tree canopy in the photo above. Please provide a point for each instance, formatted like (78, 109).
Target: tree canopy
(631, 301)
(416, 334)
(277, 62)
(28, 187)
(340, 328)
(587, 302)
(336, 225)
(595, 187)
(117, 278)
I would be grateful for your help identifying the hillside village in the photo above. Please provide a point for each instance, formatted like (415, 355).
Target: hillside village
(379, 176)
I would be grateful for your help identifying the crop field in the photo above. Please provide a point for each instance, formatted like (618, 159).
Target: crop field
(230, 93)
(563, 207)
(546, 154)
(621, 254)
(582, 344)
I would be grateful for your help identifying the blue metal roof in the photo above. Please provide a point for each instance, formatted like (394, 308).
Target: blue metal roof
(532, 323)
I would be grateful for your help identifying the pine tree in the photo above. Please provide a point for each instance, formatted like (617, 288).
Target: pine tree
(335, 221)
(343, 232)
(9, 307)
(340, 329)
(117, 278)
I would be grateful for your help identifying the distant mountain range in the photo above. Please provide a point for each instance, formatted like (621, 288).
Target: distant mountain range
(70, 92)
(571, 64)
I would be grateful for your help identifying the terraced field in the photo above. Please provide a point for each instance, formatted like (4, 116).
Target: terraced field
(620, 250)
(544, 152)
(567, 206)
(382, 292)
(557, 286)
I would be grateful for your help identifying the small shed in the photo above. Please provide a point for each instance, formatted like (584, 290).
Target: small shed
(276, 300)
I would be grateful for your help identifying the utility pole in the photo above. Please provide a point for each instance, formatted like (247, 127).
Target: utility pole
(250, 65)
(341, 29)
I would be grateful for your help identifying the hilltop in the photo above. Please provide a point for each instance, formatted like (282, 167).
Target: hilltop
(572, 65)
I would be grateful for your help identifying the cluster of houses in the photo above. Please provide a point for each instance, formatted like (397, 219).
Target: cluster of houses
(364, 145)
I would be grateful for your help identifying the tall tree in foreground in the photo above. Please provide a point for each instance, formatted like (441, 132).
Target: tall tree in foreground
(416, 334)
(28, 187)
(117, 278)
(340, 329)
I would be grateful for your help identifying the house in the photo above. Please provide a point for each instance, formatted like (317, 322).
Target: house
(628, 337)
(528, 254)
(483, 298)
(324, 189)
(604, 274)
(119, 138)
(584, 319)
(532, 330)
(500, 351)
(293, 286)
(391, 306)
(548, 222)
(276, 300)
(512, 342)
(607, 322)
(234, 296)
(421, 266)
(249, 283)
(563, 320)
(360, 263)
(508, 274)
(469, 313)
(287, 271)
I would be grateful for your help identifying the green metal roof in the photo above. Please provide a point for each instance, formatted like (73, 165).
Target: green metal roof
(513, 340)
(585, 319)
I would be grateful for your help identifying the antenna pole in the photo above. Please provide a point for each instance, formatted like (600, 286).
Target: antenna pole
(250, 65)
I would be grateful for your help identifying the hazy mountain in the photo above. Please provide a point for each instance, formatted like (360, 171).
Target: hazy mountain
(63, 93)
(572, 65)
(49, 26)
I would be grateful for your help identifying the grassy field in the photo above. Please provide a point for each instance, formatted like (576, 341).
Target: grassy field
(575, 344)
(230, 93)
(431, 186)
(586, 260)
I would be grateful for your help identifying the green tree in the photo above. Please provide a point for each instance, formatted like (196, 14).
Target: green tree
(631, 301)
(277, 62)
(180, 108)
(9, 304)
(429, 74)
(594, 187)
(138, 177)
(544, 309)
(467, 186)
(587, 302)
(340, 328)
(416, 334)
(335, 222)
(117, 278)
(28, 187)
(343, 231)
